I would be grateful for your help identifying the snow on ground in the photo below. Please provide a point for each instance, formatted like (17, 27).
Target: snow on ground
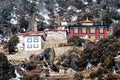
(117, 56)
(99, 64)
(74, 18)
(72, 8)
(43, 12)
(30, 1)
(56, 9)
(88, 65)
(85, 2)
(95, 0)
(118, 10)
(13, 19)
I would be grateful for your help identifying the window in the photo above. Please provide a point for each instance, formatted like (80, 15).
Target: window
(29, 45)
(101, 30)
(29, 39)
(83, 30)
(76, 30)
(35, 45)
(92, 30)
(36, 39)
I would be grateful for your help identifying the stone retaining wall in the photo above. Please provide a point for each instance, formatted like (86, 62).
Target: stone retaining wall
(26, 54)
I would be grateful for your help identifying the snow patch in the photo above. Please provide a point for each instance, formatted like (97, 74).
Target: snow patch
(88, 10)
(94, 0)
(43, 12)
(17, 74)
(79, 10)
(74, 18)
(115, 21)
(88, 65)
(46, 21)
(85, 2)
(31, 1)
(13, 19)
(118, 10)
(37, 19)
(99, 64)
(64, 23)
(19, 46)
(72, 8)
(117, 56)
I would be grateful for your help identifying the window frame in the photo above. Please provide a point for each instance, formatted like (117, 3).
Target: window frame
(35, 46)
(35, 40)
(30, 46)
(85, 30)
(94, 30)
(76, 30)
(100, 30)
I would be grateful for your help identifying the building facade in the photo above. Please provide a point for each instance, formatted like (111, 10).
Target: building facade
(32, 40)
(55, 37)
(89, 29)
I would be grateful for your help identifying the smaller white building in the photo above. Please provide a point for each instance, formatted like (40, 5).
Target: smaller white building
(32, 40)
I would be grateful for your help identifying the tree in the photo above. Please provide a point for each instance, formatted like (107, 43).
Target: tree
(103, 49)
(78, 76)
(6, 69)
(23, 23)
(116, 29)
(106, 19)
(6, 12)
(109, 62)
(13, 41)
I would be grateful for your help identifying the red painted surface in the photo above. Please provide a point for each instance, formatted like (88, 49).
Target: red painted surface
(97, 34)
(105, 33)
(71, 33)
(88, 32)
(80, 33)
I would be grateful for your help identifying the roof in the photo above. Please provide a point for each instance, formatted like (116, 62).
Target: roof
(31, 33)
(55, 30)
(87, 21)
(80, 26)
(39, 33)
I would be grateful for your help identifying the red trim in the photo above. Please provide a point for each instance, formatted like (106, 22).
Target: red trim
(105, 33)
(97, 34)
(55, 30)
(31, 33)
(71, 33)
(80, 33)
(88, 32)
(39, 33)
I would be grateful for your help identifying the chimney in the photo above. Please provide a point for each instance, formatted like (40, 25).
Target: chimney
(32, 24)
(35, 23)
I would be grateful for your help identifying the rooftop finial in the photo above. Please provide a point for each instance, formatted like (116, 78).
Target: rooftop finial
(87, 19)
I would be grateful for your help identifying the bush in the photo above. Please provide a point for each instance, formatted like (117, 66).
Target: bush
(76, 41)
(109, 62)
(6, 69)
(13, 41)
(78, 76)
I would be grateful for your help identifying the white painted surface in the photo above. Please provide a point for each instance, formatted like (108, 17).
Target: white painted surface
(32, 45)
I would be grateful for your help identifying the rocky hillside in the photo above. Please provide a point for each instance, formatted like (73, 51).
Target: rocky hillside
(16, 14)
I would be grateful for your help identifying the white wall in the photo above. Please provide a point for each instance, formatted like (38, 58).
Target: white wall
(32, 44)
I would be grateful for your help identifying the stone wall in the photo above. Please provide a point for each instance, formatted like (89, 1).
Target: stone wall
(24, 55)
